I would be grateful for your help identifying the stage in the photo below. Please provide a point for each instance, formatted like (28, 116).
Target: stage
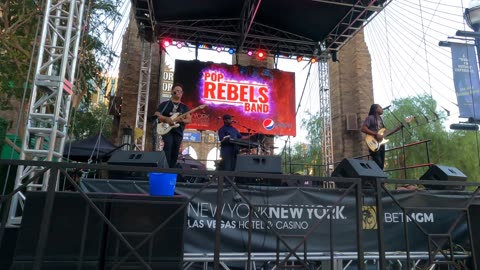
(115, 224)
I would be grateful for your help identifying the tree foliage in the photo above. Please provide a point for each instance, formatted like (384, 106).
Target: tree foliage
(18, 27)
(91, 122)
(20, 37)
(306, 158)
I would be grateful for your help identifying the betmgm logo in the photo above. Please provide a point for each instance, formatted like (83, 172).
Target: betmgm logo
(369, 217)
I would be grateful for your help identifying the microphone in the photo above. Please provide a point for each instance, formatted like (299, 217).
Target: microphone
(386, 108)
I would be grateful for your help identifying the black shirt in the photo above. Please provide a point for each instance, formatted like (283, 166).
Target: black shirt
(169, 108)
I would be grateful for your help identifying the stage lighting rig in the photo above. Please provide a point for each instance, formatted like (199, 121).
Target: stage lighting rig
(166, 42)
(261, 55)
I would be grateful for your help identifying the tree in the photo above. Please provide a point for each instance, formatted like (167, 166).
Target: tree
(306, 158)
(20, 31)
(91, 122)
(18, 25)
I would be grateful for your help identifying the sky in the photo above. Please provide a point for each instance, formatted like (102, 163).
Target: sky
(406, 57)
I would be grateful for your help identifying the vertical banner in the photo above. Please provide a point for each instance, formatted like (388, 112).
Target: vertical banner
(465, 77)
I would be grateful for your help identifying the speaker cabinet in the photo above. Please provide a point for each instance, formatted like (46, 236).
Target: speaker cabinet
(259, 164)
(136, 158)
(79, 239)
(367, 170)
(136, 220)
(74, 237)
(445, 173)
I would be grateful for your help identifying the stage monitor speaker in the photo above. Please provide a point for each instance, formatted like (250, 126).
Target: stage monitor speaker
(136, 220)
(445, 173)
(74, 235)
(259, 164)
(367, 170)
(136, 158)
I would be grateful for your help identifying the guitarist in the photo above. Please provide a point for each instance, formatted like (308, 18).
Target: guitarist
(173, 139)
(372, 124)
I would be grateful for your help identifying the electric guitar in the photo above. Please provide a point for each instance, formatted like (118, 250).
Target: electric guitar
(164, 128)
(374, 145)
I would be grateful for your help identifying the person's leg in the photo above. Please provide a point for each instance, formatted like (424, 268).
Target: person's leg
(177, 141)
(228, 163)
(382, 156)
(376, 156)
(168, 148)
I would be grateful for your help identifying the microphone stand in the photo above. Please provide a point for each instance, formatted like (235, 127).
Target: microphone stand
(402, 128)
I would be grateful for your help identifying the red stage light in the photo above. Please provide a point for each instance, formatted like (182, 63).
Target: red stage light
(299, 58)
(261, 54)
(166, 42)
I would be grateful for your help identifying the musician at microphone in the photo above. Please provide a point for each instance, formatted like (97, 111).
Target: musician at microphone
(228, 150)
(371, 126)
(173, 139)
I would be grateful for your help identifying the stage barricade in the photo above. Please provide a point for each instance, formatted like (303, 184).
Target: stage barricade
(238, 223)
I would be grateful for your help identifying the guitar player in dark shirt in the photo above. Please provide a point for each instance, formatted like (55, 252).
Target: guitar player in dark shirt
(371, 126)
(173, 139)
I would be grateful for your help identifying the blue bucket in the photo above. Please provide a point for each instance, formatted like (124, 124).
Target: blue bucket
(162, 184)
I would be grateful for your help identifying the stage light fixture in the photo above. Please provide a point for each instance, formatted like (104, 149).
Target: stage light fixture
(464, 126)
(313, 59)
(166, 42)
(219, 49)
(231, 51)
(299, 58)
(250, 53)
(261, 55)
(179, 44)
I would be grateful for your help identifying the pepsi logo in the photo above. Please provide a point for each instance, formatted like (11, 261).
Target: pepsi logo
(268, 124)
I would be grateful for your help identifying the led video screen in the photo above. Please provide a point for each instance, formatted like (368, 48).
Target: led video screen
(260, 100)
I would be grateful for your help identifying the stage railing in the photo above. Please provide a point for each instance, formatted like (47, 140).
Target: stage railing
(220, 259)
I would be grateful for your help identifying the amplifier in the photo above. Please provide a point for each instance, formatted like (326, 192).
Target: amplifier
(139, 158)
(136, 158)
(259, 164)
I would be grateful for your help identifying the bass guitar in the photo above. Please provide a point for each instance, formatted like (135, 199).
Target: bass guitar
(164, 128)
(375, 145)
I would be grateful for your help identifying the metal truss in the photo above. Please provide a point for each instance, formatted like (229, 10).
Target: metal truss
(228, 33)
(143, 13)
(326, 116)
(50, 100)
(141, 119)
(361, 13)
(245, 34)
(249, 11)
